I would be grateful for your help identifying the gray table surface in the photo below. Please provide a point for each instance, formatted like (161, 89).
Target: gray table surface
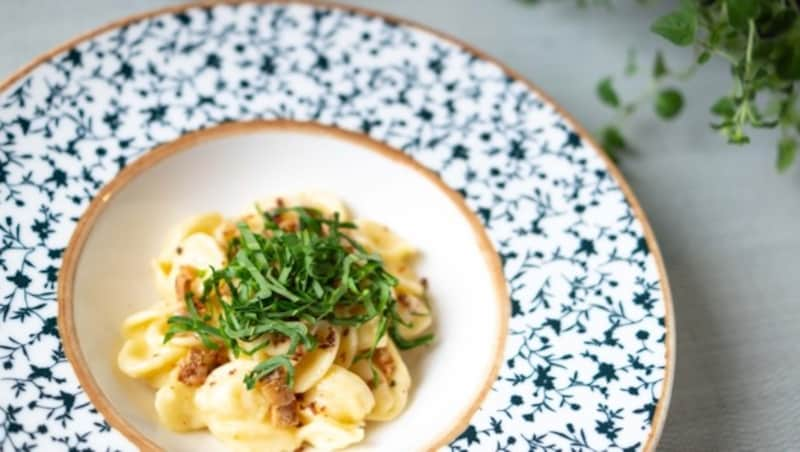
(727, 224)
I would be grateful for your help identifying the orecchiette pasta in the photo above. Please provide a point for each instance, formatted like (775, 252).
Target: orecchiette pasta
(248, 435)
(144, 353)
(329, 378)
(392, 386)
(176, 407)
(397, 254)
(415, 313)
(223, 396)
(328, 434)
(348, 347)
(366, 335)
(313, 365)
(341, 395)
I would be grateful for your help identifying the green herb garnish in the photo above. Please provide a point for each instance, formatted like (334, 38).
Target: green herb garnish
(282, 283)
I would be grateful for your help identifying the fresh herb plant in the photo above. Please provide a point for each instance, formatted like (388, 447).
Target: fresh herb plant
(759, 39)
(283, 283)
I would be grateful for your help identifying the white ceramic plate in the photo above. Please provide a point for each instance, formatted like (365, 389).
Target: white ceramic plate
(107, 273)
(589, 353)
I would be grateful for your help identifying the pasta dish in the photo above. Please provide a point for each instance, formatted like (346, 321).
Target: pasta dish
(280, 329)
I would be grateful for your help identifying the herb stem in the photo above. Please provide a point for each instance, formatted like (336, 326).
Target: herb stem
(751, 34)
(718, 52)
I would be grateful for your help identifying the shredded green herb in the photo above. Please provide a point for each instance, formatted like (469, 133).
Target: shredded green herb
(282, 283)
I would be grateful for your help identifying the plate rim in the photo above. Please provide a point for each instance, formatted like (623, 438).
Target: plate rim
(662, 407)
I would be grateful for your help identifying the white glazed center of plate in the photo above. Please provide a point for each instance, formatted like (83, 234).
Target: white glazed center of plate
(227, 174)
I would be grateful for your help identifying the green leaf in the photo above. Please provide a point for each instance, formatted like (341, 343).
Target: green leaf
(723, 126)
(772, 26)
(265, 368)
(787, 152)
(704, 57)
(736, 136)
(787, 63)
(669, 103)
(407, 344)
(612, 140)
(264, 285)
(678, 27)
(606, 93)
(741, 11)
(724, 107)
(659, 66)
(715, 34)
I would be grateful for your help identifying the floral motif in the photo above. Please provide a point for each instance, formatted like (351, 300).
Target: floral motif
(585, 359)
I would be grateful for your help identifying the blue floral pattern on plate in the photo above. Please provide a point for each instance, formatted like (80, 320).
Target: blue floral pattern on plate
(586, 361)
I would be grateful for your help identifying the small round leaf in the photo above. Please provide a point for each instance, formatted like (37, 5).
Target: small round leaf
(607, 93)
(678, 27)
(787, 152)
(669, 103)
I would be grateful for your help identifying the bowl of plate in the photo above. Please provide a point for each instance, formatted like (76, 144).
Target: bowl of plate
(107, 272)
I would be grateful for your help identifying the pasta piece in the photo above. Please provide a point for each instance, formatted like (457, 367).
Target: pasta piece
(136, 324)
(225, 232)
(348, 347)
(249, 435)
(197, 251)
(391, 390)
(408, 283)
(223, 395)
(325, 203)
(254, 221)
(324, 433)
(397, 254)
(144, 355)
(416, 313)
(366, 335)
(341, 395)
(185, 340)
(315, 364)
(175, 406)
(138, 359)
(228, 229)
(164, 285)
(204, 224)
(238, 416)
(279, 345)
